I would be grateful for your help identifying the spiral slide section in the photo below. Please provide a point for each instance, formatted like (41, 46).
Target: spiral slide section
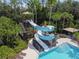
(41, 43)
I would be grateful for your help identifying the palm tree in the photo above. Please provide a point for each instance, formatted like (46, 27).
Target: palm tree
(67, 17)
(20, 5)
(50, 4)
(66, 6)
(4, 8)
(1, 7)
(34, 6)
(14, 4)
(56, 18)
(62, 20)
(43, 3)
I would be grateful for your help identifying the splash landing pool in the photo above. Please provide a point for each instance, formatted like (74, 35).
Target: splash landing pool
(63, 51)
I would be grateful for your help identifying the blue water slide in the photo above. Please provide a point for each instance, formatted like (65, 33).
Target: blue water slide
(47, 37)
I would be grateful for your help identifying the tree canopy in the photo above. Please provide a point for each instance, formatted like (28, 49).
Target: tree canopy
(8, 26)
(56, 16)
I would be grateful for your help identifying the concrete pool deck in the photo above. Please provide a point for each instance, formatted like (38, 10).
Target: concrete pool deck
(32, 53)
(63, 40)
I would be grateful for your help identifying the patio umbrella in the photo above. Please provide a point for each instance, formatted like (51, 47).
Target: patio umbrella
(27, 13)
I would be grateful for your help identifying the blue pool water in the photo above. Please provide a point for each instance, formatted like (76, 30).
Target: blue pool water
(64, 51)
(44, 29)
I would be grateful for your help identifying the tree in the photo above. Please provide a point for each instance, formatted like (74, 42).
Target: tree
(34, 6)
(66, 6)
(14, 4)
(56, 18)
(62, 20)
(75, 12)
(39, 11)
(4, 8)
(9, 30)
(67, 19)
(50, 4)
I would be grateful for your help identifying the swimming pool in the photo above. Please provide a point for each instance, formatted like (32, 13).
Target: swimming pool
(63, 51)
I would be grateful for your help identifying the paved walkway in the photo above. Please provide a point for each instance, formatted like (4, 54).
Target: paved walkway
(30, 52)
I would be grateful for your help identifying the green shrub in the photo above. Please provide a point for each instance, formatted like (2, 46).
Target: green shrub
(20, 45)
(6, 52)
(76, 35)
(8, 34)
(8, 26)
(8, 30)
